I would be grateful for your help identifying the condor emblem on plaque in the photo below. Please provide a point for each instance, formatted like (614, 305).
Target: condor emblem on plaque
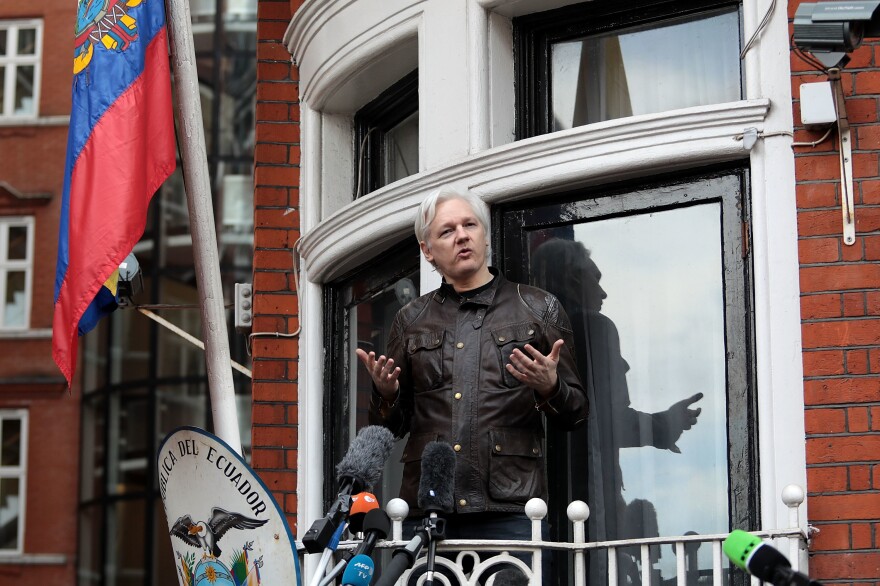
(225, 527)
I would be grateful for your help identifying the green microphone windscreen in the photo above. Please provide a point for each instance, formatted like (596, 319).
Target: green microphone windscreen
(739, 545)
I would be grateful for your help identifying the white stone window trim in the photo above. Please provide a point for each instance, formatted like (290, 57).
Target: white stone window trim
(19, 472)
(327, 68)
(26, 265)
(11, 61)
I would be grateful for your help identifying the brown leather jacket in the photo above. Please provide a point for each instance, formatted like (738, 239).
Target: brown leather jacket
(454, 388)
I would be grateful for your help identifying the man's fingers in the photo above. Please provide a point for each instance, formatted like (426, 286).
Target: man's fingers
(693, 399)
(366, 359)
(554, 352)
(517, 374)
(520, 359)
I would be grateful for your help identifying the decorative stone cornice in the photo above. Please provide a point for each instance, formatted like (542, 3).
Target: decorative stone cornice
(587, 155)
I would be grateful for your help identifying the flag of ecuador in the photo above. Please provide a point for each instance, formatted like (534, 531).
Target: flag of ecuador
(120, 149)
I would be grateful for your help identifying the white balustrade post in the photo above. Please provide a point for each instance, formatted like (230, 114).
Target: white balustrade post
(398, 510)
(793, 496)
(578, 512)
(536, 510)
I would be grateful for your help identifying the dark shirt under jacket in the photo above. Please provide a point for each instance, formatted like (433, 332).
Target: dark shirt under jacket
(451, 350)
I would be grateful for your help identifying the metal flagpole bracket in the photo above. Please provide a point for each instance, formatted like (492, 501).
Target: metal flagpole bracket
(846, 173)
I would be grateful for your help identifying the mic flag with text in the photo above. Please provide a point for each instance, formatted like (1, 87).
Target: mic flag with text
(120, 149)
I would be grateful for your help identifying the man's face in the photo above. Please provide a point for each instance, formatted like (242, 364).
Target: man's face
(456, 242)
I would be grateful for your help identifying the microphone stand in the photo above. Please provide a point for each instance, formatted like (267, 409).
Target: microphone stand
(432, 530)
(326, 555)
(436, 531)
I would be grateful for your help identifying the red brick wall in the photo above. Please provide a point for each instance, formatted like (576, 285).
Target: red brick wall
(840, 313)
(276, 225)
(32, 161)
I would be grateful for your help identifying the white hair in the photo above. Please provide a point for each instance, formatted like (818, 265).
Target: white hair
(428, 210)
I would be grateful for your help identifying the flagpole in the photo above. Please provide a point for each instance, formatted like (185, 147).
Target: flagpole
(197, 182)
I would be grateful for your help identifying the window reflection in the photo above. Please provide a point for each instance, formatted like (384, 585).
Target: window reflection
(362, 310)
(401, 153)
(16, 297)
(24, 90)
(387, 136)
(645, 70)
(91, 521)
(645, 297)
(372, 322)
(10, 507)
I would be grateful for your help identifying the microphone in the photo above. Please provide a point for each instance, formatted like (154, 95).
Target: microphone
(438, 479)
(762, 560)
(358, 471)
(435, 495)
(361, 504)
(376, 526)
(359, 571)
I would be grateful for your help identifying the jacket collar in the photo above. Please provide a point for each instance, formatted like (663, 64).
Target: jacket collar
(485, 297)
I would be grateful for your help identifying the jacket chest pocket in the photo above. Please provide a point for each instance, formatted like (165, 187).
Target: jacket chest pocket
(510, 338)
(425, 352)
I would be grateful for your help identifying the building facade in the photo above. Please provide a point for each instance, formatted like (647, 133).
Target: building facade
(657, 135)
(79, 498)
(39, 417)
(666, 139)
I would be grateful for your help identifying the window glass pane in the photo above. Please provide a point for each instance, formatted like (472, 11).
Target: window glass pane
(90, 546)
(371, 320)
(175, 214)
(95, 353)
(179, 405)
(164, 563)
(363, 309)
(646, 70)
(177, 356)
(2, 88)
(93, 468)
(27, 41)
(130, 351)
(10, 450)
(402, 149)
(10, 505)
(13, 310)
(17, 243)
(125, 544)
(236, 123)
(4, 35)
(645, 297)
(24, 89)
(128, 454)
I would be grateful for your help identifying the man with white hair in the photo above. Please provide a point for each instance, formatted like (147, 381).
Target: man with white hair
(476, 363)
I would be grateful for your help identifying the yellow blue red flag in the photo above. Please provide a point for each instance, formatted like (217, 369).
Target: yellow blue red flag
(120, 149)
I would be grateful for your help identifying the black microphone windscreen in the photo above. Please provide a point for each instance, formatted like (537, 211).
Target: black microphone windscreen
(765, 561)
(378, 522)
(366, 457)
(438, 478)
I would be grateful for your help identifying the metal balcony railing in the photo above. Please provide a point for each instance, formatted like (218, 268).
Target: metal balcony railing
(791, 541)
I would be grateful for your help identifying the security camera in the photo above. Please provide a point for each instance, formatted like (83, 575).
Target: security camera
(831, 30)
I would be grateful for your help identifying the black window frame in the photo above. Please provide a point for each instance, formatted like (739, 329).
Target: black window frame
(372, 122)
(534, 34)
(512, 223)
